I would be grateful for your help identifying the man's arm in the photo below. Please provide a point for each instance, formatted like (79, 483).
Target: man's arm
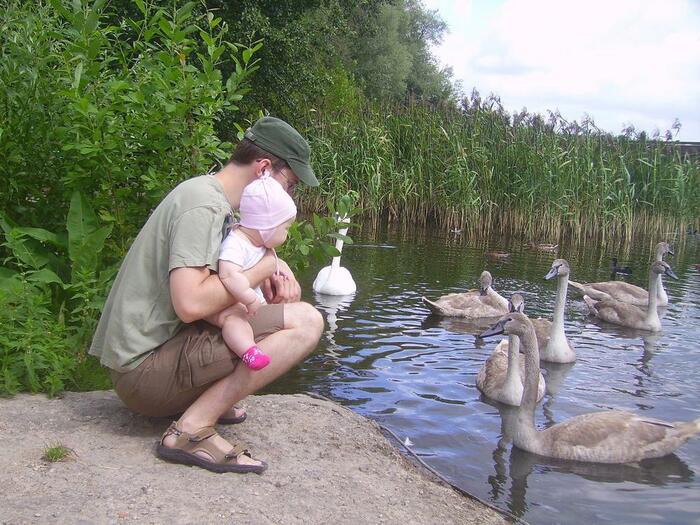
(197, 293)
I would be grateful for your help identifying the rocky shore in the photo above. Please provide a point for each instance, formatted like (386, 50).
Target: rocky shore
(326, 465)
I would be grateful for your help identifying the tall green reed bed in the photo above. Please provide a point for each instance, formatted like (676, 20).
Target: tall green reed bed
(485, 171)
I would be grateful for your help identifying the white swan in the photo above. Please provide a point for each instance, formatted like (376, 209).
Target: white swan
(334, 279)
(626, 292)
(602, 437)
(485, 302)
(629, 315)
(502, 375)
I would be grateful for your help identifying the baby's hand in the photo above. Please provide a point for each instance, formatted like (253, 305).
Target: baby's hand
(253, 307)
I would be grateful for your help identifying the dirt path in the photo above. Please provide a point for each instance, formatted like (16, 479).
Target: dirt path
(327, 465)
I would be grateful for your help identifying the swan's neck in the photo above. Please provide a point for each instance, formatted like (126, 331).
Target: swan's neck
(335, 263)
(532, 371)
(495, 295)
(559, 306)
(661, 293)
(513, 372)
(654, 283)
(659, 255)
(525, 428)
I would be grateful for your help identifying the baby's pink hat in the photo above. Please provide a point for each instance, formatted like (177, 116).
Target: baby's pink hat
(265, 205)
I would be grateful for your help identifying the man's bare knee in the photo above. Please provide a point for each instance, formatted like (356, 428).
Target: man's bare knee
(306, 316)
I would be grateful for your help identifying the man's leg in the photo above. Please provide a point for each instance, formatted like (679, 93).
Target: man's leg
(303, 325)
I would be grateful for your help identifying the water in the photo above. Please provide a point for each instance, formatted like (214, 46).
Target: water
(382, 356)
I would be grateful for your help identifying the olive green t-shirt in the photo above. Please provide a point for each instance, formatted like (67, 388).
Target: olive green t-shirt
(184, 230)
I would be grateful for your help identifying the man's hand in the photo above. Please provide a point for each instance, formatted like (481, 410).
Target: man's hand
(282, 287)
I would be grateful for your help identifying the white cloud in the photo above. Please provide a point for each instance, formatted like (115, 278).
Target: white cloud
(620, 62)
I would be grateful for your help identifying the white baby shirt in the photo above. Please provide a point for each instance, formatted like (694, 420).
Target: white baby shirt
(242, 252)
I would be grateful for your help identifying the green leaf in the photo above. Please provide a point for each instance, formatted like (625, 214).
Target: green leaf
(84, 236)
(40, 234)
(91, 21)
(86, 253)
(22, 249)
(77, 74)
(165, 27)
(344, 238)
(7, 276)
(141, 6)
(45, 276)
(330, 250)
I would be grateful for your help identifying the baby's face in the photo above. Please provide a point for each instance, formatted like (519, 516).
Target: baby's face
(280, 234)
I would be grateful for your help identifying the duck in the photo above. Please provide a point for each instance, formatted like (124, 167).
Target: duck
(618, 270)
(501, 376)
(497, 255)
(626, 292)
(334, 279)
(612, 436)
(629, 315)
(485, 302)
(543, 247)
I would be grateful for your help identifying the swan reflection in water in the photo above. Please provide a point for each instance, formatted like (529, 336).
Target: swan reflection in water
(332, 305)
(512, 468)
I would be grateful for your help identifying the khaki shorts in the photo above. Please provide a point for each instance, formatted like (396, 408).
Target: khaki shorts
(176, 373)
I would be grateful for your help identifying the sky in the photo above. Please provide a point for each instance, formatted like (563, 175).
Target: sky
(619, 61)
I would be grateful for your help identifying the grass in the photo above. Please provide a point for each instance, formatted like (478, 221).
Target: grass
(56, 453)
(485, 171)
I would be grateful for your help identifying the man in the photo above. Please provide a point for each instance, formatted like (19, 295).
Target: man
(164, 360)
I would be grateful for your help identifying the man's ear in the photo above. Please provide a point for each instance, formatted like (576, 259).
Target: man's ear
(262, 165)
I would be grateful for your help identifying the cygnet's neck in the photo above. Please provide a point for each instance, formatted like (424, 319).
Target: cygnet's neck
(559, 306)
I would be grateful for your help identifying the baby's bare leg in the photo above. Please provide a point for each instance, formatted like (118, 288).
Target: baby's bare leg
(235, 328)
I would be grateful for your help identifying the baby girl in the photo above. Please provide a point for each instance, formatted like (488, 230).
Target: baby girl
(266, 213)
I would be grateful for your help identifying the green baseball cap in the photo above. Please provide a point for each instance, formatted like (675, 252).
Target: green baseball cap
(281, 139)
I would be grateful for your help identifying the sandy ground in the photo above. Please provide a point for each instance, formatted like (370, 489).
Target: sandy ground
(327, 465)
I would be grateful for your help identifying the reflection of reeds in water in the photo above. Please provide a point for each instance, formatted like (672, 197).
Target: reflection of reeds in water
(486, 172)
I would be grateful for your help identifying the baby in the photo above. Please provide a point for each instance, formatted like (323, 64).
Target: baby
(267, 212)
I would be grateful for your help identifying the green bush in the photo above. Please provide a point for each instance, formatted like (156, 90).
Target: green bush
(37, 353)
(120, 112)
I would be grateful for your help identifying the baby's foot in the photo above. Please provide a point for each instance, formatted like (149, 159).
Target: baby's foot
(255, 359)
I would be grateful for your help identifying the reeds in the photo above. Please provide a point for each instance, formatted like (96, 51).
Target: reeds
(484, 171)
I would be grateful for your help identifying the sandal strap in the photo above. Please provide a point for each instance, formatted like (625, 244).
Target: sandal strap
(238, 450)
(172, 430)
(202, 434)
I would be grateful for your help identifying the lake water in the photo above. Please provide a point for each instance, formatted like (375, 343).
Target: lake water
(384, 357)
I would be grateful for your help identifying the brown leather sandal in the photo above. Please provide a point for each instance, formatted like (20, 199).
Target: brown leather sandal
(187, 445)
